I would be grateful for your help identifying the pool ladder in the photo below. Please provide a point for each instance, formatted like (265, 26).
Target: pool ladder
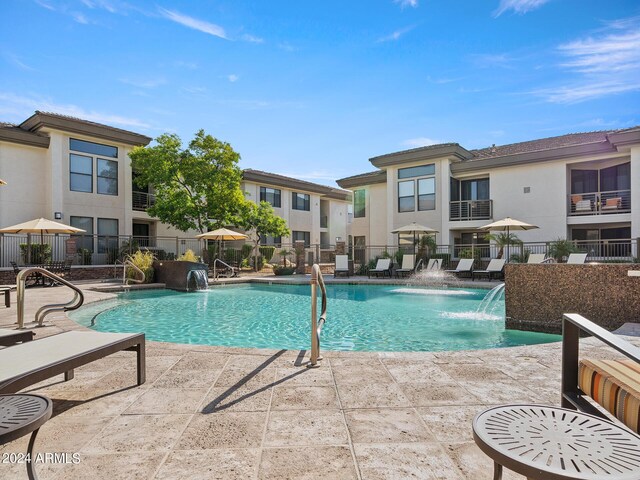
(74, 303)
(125, 264)
(317, 322)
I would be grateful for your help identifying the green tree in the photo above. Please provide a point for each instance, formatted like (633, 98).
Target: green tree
(502, 240)
(197, 187)
(262, 221)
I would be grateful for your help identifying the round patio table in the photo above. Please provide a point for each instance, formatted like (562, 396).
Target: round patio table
(21, 414)
(549, 443)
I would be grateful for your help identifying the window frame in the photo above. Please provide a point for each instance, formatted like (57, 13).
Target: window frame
(416, 175)
(402, 209)
(83, 240)
(98, 177)
(305, 234)
(107, 242)
(81, 174)
(362, 211)
(264, 195)
(306, 201)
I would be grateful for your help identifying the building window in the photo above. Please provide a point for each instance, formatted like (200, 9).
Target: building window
(359, 204)
(83, 240)
(81, 173)
(304, 236)
(271, 195)
(107, 177)
(269, 240)
(427, 194)
(300, 201)
(107, 235)
(421, 171)
(93, 148)
(406, 196)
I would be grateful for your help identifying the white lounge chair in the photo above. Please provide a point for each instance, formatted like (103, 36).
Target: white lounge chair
(31, 362)
(434, 264)
(465, 265)
(495, 268)
(383, 266)
(342, 265)
(408, 265)
(536, 258)
(577, 258)
(10, 337)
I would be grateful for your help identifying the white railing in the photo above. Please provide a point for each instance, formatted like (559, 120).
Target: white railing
(317, 322)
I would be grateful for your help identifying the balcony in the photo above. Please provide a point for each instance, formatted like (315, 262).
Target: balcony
(324, 221)
(470, 210)
(141, 201)
(599, 203)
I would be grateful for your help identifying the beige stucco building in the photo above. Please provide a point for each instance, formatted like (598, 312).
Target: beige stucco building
(583, 186)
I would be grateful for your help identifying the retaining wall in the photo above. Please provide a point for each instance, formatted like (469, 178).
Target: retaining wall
(536, 296)
(78, 272)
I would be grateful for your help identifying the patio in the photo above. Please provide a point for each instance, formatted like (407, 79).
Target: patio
(214, 412)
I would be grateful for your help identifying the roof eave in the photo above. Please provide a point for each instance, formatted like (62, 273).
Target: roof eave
(292, 183)
(17, 135)
(454, 152)
(624, 139)
(40, 120)
(351, 182)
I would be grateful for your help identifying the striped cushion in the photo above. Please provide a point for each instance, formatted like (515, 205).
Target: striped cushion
(614, 384)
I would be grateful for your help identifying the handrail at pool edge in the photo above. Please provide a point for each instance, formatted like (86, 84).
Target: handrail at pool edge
(317, 322)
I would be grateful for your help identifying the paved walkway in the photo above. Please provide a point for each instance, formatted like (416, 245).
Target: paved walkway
(213, 412)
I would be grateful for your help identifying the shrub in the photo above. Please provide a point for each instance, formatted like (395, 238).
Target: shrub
(267, 252)
(520, 257)
(188, 256)
(40, 253)
(247, 248)
(280, 270)
(398, 257)
(86, 256)
(560, 248)
(144, 261)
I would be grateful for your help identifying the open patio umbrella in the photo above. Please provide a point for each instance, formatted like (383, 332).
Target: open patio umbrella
(414, 228)
(506, 225)
(41, 226)
(222, 234)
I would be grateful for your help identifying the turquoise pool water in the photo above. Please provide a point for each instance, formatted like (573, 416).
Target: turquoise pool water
(360, 317)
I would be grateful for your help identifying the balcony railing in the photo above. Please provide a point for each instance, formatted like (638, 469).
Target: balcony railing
(599, 203)
(471, 210)
(141, 200)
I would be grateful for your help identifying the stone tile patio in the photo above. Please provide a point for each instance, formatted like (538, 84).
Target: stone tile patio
(230, 413)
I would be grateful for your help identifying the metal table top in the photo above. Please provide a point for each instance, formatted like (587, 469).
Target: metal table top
(21, 414)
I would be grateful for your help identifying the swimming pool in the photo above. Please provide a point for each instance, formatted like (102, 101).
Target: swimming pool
(359, 317)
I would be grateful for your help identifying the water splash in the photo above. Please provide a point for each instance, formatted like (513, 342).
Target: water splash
(434, 278)
(431, 291)
(197, 278)
(492, 302)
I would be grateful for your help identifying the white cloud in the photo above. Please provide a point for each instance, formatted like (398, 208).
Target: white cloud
(251, 38)
(151, 83)
(492, 60)
(605, 64)
(233, 78)
(419, 142)
(79, 18)
(396, 35)
(407, 3)
(518, 6)
(46, 5)
(287, 47)
(25, 106)
(442, 81)
(194, 23)
(12, 58)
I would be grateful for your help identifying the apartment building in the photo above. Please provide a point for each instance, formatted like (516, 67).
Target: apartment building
(79, 173)
(580, 186)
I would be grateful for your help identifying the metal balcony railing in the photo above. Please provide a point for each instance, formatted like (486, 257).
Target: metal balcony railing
(599, 203)
(141, 200)
(470, 210)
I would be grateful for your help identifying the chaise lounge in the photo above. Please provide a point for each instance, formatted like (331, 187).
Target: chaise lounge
(33, 361)
(382, 267)
(10, 337)
(408, 265)
(465, 265)
(342, 265)
(494, 269)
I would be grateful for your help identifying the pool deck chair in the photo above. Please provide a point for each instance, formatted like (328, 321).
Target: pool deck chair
(536, 258)
(342, 266)
(382, 267)
(31, 362)
(465, 266)
(434, 264)
(408, 265)
(495, 269)
(577, 258)
(6, 290)
(10, 337)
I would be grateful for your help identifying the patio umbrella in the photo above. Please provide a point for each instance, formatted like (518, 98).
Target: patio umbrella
(2, 182)
(506, 225)
(41, 226)
(222, 234)
(414, 228)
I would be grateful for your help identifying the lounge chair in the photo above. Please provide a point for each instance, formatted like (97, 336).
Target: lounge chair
(31, 362)
(465, 265)
(612, 204)
(576, 258)
(6, 289)
(584, 206)
(536, 258)
(342, 265)
(494, 269)
(434, 264)
(382, 267)
(10, 337)
(408, 265)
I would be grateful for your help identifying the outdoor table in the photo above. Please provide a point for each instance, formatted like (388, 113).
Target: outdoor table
(21, 414)
(549, 443)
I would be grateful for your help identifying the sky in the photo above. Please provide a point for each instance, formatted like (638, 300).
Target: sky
(313, 89)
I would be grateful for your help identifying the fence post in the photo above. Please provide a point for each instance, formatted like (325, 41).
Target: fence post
(177, 248)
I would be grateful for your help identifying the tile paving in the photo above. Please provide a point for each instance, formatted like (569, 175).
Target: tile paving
(231, 413)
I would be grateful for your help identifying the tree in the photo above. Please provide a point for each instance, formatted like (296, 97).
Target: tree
(262, 221)
(196, 188)
(502, 240)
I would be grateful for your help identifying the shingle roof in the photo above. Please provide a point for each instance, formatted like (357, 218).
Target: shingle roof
(252, 175)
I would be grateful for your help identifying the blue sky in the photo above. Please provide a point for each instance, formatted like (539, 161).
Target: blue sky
(314, 89)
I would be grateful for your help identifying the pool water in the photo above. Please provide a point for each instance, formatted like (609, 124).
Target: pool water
(359, 317)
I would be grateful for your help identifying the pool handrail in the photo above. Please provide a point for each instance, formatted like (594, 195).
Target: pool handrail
(317, 322)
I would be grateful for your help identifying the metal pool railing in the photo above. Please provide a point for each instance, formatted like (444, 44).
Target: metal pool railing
(317, 322)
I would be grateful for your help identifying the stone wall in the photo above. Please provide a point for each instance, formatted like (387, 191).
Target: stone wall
(536, 296)
(78, 272)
